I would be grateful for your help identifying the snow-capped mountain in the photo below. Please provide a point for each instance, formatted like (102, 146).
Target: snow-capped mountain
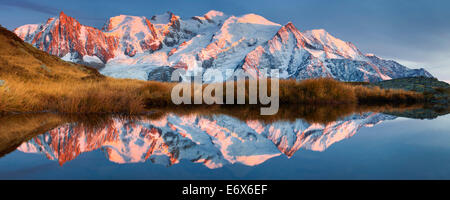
(150, 49)
(65, 37)
(214, 141)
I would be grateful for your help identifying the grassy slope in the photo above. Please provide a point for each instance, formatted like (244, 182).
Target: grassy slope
(32, 80)
(22, 61)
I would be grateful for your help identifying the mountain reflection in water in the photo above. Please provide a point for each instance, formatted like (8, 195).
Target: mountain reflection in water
(214, 139)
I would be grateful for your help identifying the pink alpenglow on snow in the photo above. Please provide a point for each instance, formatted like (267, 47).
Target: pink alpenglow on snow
(147, 47)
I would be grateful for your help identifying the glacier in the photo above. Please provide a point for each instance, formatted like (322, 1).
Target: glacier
(151, 48)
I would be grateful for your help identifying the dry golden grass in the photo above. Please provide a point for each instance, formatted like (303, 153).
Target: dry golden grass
(84, 96)
(310, 91)
(370, 95)
(327, 90)
(108, 95)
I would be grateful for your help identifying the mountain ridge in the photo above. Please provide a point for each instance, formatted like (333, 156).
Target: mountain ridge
(137, 47)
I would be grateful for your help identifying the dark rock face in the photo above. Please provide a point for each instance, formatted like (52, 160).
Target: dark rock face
(161, 74)
(65, 35)
(213, 41)
(396, 70)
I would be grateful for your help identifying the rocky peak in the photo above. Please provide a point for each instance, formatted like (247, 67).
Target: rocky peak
(288, 30)
(128, 44)
(214, 16)
(333, 47)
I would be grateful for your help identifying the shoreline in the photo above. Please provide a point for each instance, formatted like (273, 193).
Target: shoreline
(313, 113)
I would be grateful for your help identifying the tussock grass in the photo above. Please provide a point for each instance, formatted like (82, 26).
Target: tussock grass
(329, 91)
(108, 95)
(83, 96)
(310, 91)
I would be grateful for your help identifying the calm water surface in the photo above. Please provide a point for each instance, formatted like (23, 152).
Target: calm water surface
(359, 146)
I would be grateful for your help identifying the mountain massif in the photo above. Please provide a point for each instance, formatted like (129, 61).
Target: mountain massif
(151, 48)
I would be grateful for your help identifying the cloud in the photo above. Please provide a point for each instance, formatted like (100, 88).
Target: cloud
(30, 6)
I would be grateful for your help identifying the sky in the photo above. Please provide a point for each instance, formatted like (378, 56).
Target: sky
(415, 33)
